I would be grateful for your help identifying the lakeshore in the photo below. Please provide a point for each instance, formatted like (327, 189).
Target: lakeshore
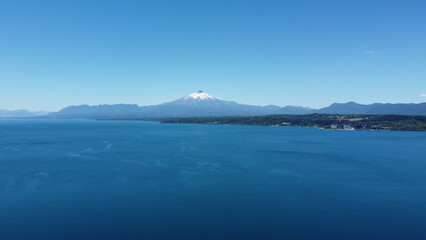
(326, 121)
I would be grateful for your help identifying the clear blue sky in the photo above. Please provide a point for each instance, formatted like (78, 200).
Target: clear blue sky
(309, 53)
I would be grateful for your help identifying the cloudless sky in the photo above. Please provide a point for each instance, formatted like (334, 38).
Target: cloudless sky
(307, 53)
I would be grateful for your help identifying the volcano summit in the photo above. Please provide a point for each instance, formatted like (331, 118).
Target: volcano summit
(201, 104)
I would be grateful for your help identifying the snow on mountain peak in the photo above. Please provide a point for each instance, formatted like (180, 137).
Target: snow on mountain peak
(199, 95)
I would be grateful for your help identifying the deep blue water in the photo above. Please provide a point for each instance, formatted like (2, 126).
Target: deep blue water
(63, 179)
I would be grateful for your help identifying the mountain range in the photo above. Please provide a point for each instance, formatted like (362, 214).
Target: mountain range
(20, 113)
(201, 104)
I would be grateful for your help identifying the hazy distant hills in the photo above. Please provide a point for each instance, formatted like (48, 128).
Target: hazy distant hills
(200, 104)
(195, 104)
(99, 111)
(295, 110)
(376, 108)
(20, 113)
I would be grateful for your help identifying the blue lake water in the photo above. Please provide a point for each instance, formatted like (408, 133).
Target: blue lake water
(70, 179)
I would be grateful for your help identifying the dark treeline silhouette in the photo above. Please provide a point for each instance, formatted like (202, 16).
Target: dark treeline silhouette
(329, 121)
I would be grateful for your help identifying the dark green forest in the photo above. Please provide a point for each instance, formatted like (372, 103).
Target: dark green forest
(327, 121)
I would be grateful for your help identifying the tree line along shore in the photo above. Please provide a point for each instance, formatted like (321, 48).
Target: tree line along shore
(327, 121)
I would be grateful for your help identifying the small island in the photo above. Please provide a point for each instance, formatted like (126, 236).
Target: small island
(326, 121)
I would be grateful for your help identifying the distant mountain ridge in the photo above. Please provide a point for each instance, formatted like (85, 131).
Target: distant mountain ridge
(201, 104)
(195, 104)
(98, 111)
(375, 108)
(20, 113)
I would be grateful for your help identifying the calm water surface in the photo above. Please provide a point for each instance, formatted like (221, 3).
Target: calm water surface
(63, 179)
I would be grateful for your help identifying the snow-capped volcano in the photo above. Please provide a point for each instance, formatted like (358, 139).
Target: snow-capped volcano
(196, 104)
(201, 104)
(200, 95)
